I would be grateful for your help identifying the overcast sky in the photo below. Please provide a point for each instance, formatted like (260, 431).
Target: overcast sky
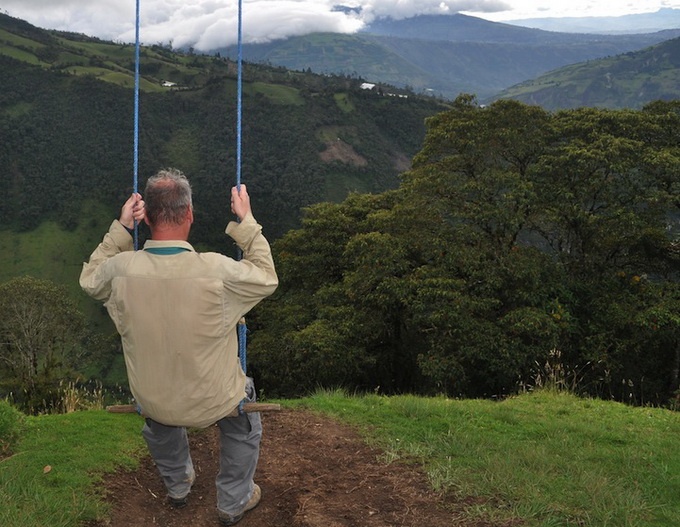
(209, 24)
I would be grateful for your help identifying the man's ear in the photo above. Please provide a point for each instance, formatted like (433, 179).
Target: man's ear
(190, 214)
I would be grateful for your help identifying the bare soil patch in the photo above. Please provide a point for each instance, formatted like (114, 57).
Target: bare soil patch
(313, 471)
(338, 150)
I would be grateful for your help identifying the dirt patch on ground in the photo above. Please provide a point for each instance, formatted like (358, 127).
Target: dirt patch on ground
(313, 471)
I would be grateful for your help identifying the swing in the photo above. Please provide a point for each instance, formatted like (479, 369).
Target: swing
(242, 329)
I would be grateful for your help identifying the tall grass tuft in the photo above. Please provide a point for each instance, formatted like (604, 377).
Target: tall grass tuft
(11, 423)
(554, 375)
(75, 397)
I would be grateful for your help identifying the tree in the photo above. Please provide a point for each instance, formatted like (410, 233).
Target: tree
(315, 330)
(577, 197)
(517, 234)
(598, 189)
(489, 303)
(40, 331)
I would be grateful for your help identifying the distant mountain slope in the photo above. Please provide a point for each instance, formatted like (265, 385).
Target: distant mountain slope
(637, 23)
(630, 80)
(454, 28)
(444, 55)
(464, 28)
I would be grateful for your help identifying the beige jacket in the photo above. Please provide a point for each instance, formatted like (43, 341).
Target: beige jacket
(177, 316)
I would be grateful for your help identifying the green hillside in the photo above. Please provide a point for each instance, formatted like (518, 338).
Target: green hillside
(630, 80)
(66, 121)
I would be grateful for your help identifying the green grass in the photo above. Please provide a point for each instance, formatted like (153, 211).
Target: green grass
(548, 458)
(120, 78)
(277, 94)
(22, 55)
(16, 40)
(51, 479)
(66, 57)
(344, 103)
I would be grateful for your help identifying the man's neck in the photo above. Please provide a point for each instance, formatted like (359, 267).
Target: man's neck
(170, 232)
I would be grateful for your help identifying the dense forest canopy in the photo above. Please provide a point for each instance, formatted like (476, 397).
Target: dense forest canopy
(521, 241)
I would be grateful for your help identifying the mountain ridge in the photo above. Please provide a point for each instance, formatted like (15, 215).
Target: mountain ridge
(444, 54)
(662, 19)
(626, 81)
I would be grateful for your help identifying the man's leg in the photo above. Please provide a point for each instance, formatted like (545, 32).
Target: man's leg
(239, 452)
(169, 448)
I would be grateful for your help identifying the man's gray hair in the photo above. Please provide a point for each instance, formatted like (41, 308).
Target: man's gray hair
(167, 197)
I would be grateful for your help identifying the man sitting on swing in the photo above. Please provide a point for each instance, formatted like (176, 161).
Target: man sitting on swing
(177, 312)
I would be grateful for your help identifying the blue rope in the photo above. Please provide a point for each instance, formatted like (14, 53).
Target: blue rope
(239, 95)
(135, 170)
(242, 328)
(242, 337)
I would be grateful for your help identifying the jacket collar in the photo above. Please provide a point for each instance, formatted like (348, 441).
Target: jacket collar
(163, 246)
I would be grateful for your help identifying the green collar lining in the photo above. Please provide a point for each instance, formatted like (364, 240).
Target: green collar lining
(165, 250)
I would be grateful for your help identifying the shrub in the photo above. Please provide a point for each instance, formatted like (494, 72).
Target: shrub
(11, 421)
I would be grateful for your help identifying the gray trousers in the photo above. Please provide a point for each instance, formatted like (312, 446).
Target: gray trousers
(239, 452)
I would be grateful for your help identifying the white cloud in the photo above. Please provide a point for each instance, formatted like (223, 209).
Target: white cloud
(207, 24)
(407, 8)
(577, 8)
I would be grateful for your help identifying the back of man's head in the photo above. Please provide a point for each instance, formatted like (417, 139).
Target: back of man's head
(167, 197)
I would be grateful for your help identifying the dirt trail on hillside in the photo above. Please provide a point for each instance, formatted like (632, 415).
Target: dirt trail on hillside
(313, 471)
